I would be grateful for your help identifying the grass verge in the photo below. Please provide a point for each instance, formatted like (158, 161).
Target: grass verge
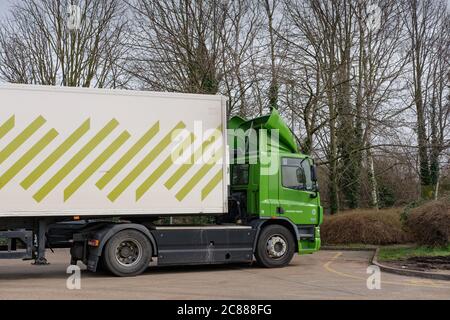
(393, 253)
(349, 246)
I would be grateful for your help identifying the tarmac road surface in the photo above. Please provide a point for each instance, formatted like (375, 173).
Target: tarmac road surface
(323, 275)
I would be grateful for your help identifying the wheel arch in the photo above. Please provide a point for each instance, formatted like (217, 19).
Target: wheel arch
(260, 224)
(107, 232)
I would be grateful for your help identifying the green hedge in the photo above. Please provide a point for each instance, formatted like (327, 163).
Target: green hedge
(376, 227)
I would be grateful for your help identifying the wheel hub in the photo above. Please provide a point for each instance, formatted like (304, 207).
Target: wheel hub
(276, 246)
(128, 253)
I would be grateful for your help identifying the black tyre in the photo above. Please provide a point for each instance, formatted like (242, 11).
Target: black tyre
(275, 247)
(128, 253)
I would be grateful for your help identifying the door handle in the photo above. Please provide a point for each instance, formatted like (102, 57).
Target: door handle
(280, 210)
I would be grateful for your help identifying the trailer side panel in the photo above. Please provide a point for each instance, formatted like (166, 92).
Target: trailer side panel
(73, 151)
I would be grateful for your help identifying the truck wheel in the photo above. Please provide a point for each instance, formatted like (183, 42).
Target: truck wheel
(128, 253)
(275, 247)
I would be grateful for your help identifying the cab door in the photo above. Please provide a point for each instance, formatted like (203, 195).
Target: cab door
(296, 195)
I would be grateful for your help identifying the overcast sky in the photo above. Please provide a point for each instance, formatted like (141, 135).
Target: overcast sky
(4, 5)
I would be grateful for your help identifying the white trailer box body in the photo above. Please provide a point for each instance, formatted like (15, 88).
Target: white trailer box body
(78, 151)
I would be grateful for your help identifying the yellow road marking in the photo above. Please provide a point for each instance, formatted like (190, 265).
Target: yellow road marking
(328, 268)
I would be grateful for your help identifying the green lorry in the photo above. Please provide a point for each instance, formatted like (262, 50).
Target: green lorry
(112, 180)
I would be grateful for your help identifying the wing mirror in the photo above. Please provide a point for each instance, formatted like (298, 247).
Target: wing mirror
(313, 173)
(314, 180)
(301, 176)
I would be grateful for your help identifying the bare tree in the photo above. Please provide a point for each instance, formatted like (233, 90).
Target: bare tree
(380, 65)
(438, 97)
(178, 45)
(241, 49)
(38, 46)
(270, 7)
(346, 82)
(424, 21)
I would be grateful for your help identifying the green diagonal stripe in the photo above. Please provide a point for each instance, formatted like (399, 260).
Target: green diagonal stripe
(181, 171)
(7, 126)
(148, 159)
(27, 157)
(75, 160)
(198, 176)
(21, 138)
(55, 155)
(128, 156)
(95, 165)
(212, 184)
(167, 163)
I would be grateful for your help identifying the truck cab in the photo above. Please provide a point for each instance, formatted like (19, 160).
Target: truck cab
(271, 181)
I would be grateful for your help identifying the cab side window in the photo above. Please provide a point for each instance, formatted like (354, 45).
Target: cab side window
(240, 174)
(296, 174)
